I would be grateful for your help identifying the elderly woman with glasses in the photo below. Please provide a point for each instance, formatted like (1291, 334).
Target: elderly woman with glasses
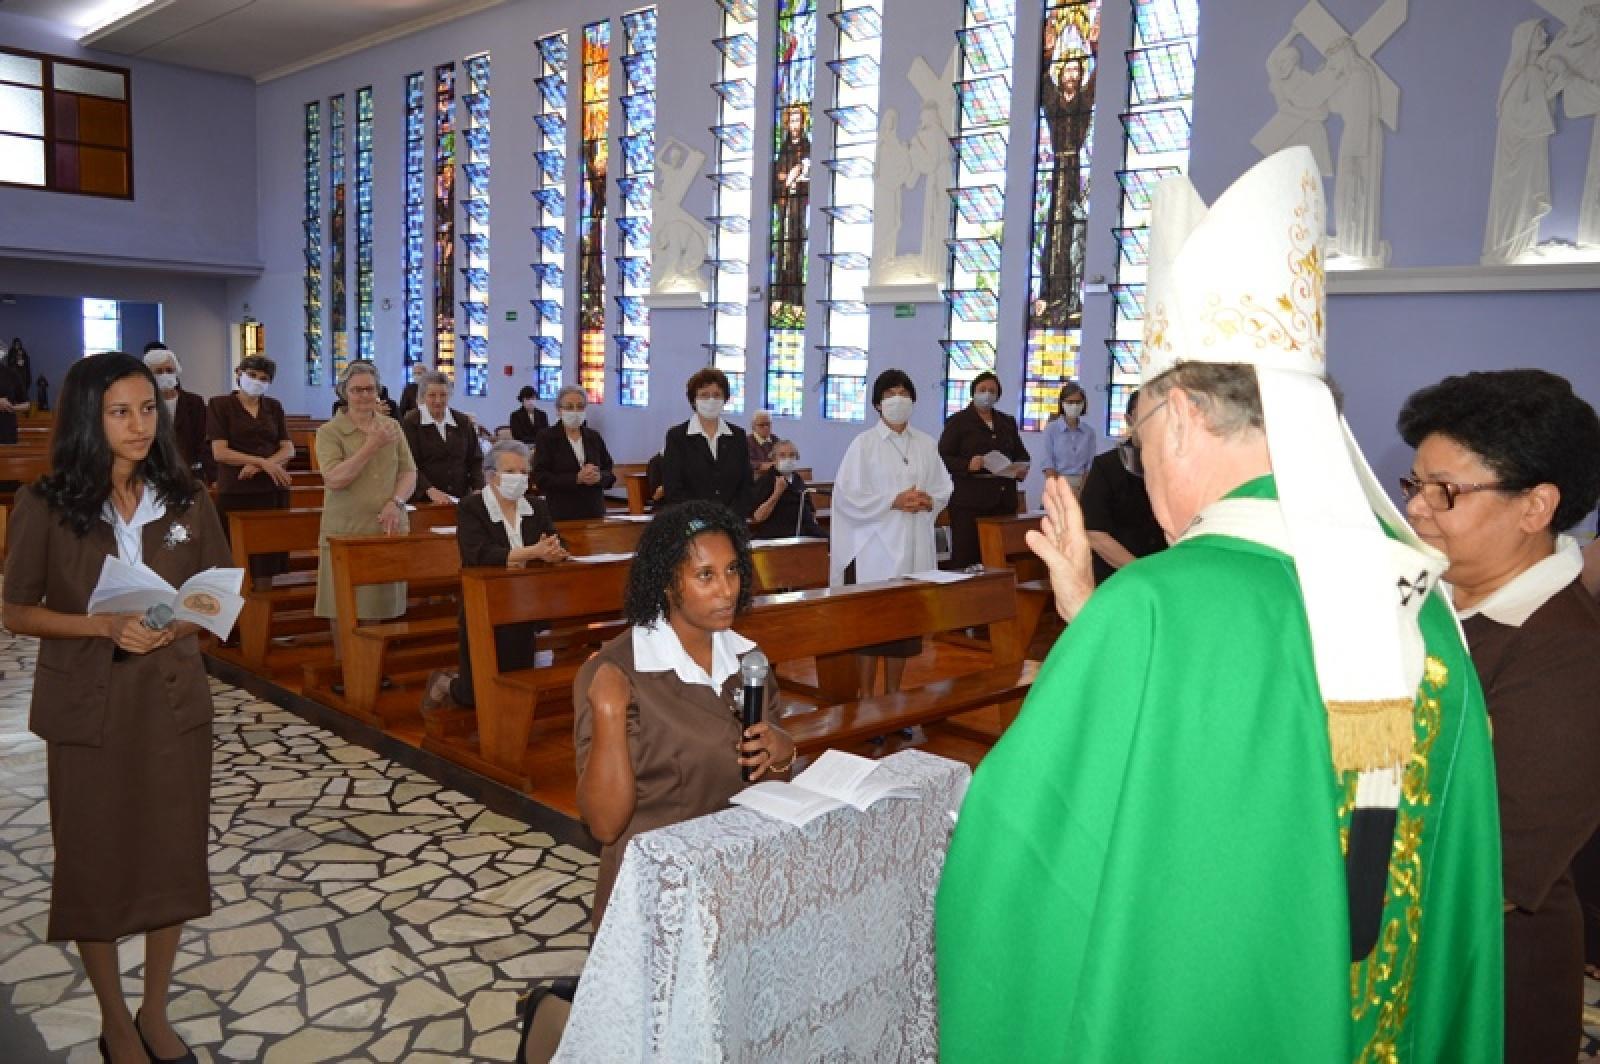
(444, 444)
(367, 476)
(1505, 463)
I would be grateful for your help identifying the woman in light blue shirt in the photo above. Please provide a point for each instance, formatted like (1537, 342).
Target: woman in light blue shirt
(1069, 440)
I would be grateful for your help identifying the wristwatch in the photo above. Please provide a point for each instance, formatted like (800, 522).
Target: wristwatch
(401, 503)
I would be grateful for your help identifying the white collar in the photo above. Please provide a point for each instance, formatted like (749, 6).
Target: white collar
(491, 502)
(697, 429)
(656, 648)
(887, 433)
(150, 508)
(1513, 603)
(425, 416)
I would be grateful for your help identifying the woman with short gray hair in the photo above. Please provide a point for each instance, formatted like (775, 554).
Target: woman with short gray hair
(571, 463)
(444, 443)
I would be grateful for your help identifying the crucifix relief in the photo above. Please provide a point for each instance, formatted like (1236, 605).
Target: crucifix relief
(1351, 85)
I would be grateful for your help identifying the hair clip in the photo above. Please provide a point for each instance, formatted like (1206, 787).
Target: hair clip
(697, 526)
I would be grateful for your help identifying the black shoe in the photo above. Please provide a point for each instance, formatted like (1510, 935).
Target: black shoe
(105, 1050)
(188, 1054)
(544, 1020)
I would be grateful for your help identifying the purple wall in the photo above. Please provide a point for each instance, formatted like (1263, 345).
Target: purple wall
(52, 329)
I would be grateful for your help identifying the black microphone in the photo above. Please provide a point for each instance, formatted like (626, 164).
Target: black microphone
(753, 671)
(157, 617)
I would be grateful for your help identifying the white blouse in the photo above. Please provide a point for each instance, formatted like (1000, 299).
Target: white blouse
(865, 528)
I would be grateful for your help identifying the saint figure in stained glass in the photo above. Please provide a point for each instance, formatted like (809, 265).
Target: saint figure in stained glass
(592, 251)
(1066, 102)
(791, 195)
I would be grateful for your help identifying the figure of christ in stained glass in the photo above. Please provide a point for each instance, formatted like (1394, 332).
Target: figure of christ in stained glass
(1066, 104)
(791, 196)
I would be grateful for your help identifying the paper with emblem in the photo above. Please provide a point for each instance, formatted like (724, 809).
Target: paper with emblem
(209, 599)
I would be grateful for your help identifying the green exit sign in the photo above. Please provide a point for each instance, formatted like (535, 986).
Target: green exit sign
(511, 315)
(905, 310)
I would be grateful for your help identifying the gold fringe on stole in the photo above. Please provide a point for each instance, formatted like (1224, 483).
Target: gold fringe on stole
(1370, 735)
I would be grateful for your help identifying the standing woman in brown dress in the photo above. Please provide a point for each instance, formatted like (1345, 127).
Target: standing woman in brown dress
(1506, 463)
(249, 440)
(124, 710)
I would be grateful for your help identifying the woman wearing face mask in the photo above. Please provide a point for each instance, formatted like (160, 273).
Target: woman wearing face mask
(785, 509)
(188, 410)
(1116, 506)
(1069, 439)
(981, 428)
(527, 420)
(891, 486)
(705, 457)
(570, 462)
(502, 527)
(250, 445)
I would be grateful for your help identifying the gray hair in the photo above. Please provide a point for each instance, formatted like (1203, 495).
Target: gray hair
(432, 377)
(572, 389)
(356, 368)
(157, 355)
(1226, 394)
(491, 457)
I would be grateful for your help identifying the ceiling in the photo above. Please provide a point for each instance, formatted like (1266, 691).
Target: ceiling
(258, 39)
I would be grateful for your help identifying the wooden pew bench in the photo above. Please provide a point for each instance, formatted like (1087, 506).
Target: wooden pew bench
(1003, 544)
(586, 600)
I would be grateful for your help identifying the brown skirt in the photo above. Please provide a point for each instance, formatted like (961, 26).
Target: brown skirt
(130, 817)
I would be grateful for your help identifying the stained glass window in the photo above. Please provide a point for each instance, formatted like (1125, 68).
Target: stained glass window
(733, 197)
(549, 192)
(366, 345)
(636, 184)
(416, 226)
(849, 210)
(338, 296)
(1063, 149)
(313, 243)
(592, 210)
(795, 75)
(1155, 147)
(987, 43)
(475, 225)
(444, 219)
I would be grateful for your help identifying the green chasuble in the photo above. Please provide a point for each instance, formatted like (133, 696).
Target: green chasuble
(1149, 865)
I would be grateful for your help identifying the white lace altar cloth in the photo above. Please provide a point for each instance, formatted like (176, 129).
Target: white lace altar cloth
(735, 937)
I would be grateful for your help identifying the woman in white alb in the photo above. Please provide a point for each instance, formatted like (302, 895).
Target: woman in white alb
(891, 485)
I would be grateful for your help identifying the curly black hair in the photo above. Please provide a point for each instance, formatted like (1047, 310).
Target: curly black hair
(663, 548)
(79, 481)
(1525, 424)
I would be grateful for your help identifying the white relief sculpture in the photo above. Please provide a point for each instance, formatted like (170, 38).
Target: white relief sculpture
(678, 240)
(1519, 193)
(925, 159)
(1351, 85)
(1574, 58)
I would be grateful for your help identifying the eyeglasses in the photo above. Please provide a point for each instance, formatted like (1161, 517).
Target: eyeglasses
(1439, 494)
(1133, 431)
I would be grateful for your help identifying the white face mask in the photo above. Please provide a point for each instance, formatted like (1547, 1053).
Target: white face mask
(710, 409)
(167, 381)
(252, 386)
(896, 409)
(983, 400)
(512, 486)
(528, 404)
(572, 418)
(1072, 409)
(787, 465)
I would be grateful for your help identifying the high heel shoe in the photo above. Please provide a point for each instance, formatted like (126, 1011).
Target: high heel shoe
(188, 1054)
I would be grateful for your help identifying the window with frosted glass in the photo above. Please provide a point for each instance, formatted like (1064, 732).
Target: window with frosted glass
(794, 90)
(312, 223)
(475, 227)
(1155, 146)
(633, 216)
(366, 344)
(338, 297)
(592, 175)
(987, 40)
(444, 219)
(414, 266)
(732, 200)
(849, 210)
(549, 192)
(102, 326)
(65, 125)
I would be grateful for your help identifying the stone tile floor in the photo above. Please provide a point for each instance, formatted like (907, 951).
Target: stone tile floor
(362, 912)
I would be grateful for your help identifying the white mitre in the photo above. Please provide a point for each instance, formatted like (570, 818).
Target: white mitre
(1242, 282)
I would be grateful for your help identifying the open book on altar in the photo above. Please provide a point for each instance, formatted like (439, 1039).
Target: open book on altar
(209, 599)
(835, 780)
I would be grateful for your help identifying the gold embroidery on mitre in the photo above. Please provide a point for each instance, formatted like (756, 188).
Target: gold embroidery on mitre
(1371, 734)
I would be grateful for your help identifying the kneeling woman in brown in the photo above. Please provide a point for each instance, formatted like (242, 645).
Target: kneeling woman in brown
(125, 710)
(656, 711)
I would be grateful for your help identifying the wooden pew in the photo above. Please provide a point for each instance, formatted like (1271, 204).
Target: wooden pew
(5, 514)
(638, 489)
(601, 535)
(557, 594)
